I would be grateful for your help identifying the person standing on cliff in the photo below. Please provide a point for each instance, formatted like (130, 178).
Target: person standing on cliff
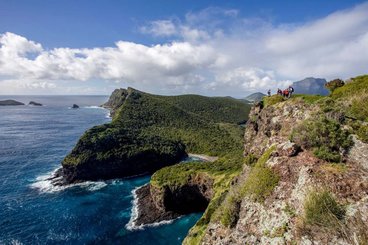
(291, 91)
(269, 92)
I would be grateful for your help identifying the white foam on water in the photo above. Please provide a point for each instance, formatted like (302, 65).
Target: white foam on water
(131, 225)
(44, 184)
(94, 107)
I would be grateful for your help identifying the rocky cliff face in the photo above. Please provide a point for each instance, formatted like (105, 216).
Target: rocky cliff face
(157, 204)
(314, 201)
(116, 100)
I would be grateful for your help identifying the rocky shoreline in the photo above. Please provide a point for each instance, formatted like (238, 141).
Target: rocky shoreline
(158, 204)
(147, 211)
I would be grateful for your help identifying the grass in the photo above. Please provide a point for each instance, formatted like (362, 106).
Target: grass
(321, 209)
(355, 97)
(335, 168)
(272, 100)
(258, 185)
(363, 133)
(307, 98)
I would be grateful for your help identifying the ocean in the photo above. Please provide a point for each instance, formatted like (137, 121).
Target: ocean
(33, 142)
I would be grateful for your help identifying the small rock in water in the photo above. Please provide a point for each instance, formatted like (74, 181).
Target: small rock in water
(34, 103)
(75, 106)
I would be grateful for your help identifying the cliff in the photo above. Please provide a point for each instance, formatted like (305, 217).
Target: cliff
(302, 178)
(149, 132)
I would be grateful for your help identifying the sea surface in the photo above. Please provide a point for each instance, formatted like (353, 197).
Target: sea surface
(33, 142)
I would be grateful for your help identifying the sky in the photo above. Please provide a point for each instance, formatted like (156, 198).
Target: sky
(215, 48)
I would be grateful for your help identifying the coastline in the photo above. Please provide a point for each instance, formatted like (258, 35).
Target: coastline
(203, 157)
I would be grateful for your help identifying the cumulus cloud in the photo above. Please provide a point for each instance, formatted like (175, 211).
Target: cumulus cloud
(214, 51)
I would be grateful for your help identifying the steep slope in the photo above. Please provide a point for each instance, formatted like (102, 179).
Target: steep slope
(149, 132)
(311, 85)
(305, 177)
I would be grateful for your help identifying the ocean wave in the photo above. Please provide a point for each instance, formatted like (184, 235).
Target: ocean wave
(44, 184)
(93, 107)
(131, 225)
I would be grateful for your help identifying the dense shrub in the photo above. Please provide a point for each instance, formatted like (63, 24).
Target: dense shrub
(324, 136)
(334, 84)
(321, 209)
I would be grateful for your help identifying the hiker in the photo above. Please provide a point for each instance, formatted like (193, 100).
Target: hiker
(279, 92)
(269, 92)
(286, 93)
(291, 91)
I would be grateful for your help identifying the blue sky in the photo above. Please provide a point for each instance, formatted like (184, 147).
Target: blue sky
(207, 47)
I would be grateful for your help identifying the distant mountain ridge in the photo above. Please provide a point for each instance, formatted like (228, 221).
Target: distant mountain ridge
(255, 97)
(311, 85)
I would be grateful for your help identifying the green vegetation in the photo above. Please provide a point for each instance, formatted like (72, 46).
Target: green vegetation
(324, 136)
(250, 160)
(308, 98)
(321, 209)
(272, 100)
(334, 84)
(258, 185)
(155, 126)
(363, 133)
(353, 97)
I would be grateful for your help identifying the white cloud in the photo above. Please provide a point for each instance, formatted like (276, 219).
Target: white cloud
(215, 52)
(160, 28)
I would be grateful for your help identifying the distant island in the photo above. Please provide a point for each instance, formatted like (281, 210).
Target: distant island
(10, 103)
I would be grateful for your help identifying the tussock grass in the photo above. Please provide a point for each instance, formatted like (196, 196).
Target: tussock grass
(321, 209)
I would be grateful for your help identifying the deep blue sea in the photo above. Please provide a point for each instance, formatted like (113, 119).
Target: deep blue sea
(33, 142)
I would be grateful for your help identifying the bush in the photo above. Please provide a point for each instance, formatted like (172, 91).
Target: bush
(321, 209)
(334, 84)
(324, 136)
